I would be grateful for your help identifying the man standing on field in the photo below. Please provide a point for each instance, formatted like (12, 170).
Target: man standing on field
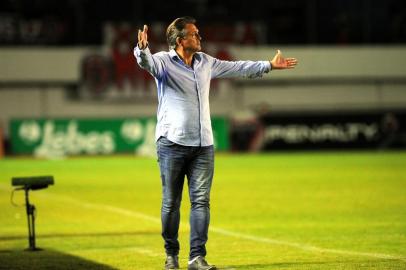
(183, 133)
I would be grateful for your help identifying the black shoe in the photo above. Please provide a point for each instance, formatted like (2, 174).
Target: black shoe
(171, 262)
(200, 264)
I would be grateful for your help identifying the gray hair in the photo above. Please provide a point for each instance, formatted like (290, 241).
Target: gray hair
(177, 29)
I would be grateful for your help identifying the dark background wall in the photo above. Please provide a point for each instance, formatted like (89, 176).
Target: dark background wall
(80, 22)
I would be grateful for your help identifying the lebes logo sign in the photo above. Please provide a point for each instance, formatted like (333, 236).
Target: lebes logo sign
(58, 138)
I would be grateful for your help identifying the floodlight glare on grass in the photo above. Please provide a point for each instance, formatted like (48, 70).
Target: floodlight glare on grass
(27, 184)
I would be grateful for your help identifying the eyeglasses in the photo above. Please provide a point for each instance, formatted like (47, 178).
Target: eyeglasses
(194, 35)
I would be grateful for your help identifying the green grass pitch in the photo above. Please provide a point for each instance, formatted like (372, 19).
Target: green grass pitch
(316, 210)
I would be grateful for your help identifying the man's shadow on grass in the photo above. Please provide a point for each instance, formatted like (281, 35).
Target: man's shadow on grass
(46, 259)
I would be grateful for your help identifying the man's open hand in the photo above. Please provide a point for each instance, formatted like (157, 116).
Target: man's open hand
(143, 38)
(279, 62)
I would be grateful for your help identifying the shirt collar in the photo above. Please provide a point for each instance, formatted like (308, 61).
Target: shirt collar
(174, 55)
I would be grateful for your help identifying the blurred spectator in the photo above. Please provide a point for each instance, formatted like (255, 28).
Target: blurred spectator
(390, 131)
(246, 132)
(123, 60)
(2, 151)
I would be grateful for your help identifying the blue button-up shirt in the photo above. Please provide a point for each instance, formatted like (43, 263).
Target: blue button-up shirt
(183, 92)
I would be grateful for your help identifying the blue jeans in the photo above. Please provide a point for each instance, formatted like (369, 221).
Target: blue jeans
(197, 163)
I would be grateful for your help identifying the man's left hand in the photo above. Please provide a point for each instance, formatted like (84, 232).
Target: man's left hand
(279, 62)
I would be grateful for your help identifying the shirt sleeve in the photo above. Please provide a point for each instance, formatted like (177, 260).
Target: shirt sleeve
(232, 69)
(151, 63)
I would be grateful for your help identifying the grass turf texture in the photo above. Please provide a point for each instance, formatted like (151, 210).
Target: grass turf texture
(329, 210)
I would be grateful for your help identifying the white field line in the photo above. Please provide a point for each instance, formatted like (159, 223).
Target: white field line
(306, 247)
(266, 240)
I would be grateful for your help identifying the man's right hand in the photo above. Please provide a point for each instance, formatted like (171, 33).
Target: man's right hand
(143, 38)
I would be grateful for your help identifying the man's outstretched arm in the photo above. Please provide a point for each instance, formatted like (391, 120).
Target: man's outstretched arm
(145, 59)
(250, 69)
